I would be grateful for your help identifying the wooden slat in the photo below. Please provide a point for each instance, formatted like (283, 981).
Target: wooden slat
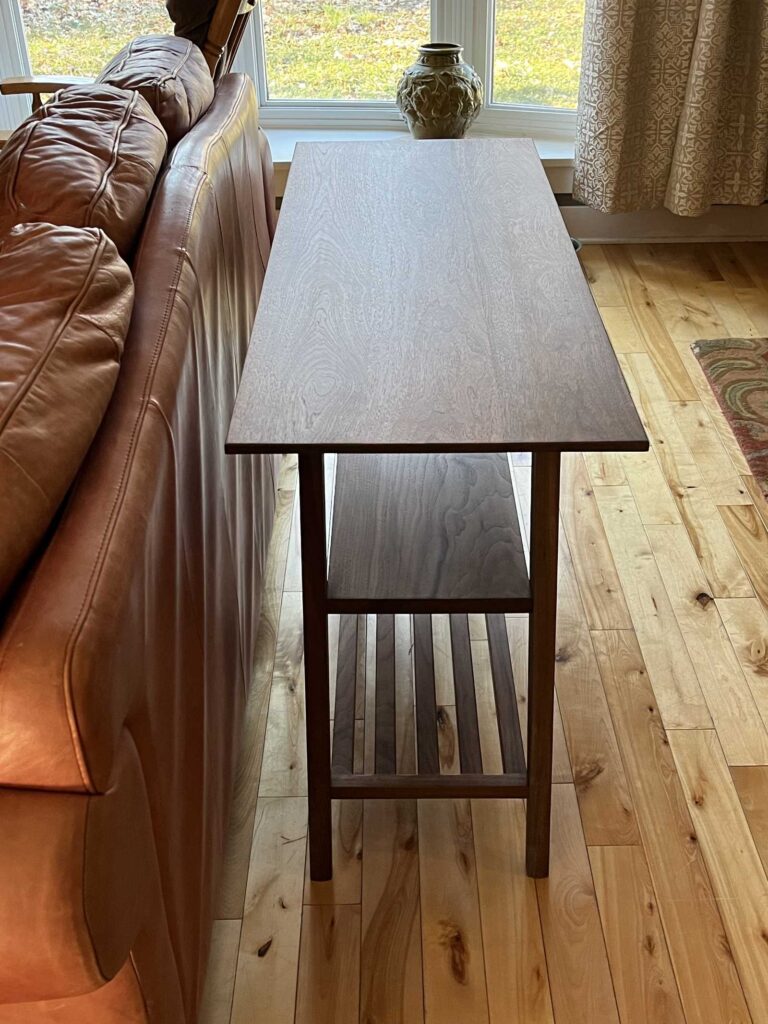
(423, 787)
(425, 532)
(510, 736)
(344, 710)
(385, 760)
(466, 707)
(426, 707)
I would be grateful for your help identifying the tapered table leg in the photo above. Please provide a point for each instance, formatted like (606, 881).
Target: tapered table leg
(545, 509)
(313, 575)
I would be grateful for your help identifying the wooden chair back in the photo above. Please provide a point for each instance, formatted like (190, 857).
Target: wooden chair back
(225, 33)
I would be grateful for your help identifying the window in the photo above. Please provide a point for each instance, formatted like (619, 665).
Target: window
(78, 37)
(324, 63)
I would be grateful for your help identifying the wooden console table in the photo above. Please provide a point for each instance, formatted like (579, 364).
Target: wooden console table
(423, 314)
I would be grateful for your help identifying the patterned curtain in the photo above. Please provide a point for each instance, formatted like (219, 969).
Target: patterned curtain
(673, 106)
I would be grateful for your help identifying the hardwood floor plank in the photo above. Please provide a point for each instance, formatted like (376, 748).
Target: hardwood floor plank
(605, 469)
(710, 403)
(447, 740)
(746, 624)
(329, 966)
(345, 886)
(656, 340)
(643, 979)
(487, 722)
(441, 641)
(672, 675)
(699, 949)
(622, 329)
(391, 988)
(248, 771)
(517, 631)
(598, 773)
(452, 945)
(720, 476)
(598, 581)
(737, 874)
(579, 975)
(752, 789)
(283, 770)
(726, 690)
(515, 964)
(602, 281)
(268, 957)
(216, 1004)
(750, 536)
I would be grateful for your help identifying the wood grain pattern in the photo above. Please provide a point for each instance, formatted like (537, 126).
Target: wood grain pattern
(269, 945)
(470, 755)
(510, 736)
(672, 675)
(426, 706)
(601, 593)
(750, 536)
(579, 977)
(746, 624)
(390, 977)
(752, 788)
(386, 757)
(515, 963)
(646, 991)
(330, 956)
(454, 976)
(701, 955)
(732, 860)
(362, 345)
(415, 533)
(725, 688)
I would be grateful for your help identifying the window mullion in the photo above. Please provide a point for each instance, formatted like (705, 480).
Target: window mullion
(465, 22)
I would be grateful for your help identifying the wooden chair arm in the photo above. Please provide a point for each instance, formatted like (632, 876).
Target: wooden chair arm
(35, 84)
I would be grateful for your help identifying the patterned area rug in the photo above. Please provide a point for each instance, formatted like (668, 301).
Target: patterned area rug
(737, 370)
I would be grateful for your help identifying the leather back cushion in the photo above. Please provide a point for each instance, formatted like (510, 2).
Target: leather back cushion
(65, 304)
(88, 158)
(172, 76)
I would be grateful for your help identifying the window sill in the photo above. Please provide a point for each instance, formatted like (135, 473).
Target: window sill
(556, 154)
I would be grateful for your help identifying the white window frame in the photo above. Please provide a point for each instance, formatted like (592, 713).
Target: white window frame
(14, 60)
(467, 21)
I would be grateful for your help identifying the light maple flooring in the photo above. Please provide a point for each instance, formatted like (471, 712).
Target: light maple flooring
(656, 908)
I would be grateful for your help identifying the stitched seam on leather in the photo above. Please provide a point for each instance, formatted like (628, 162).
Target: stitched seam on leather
(202, 164)
(98, 566)
(183, 58)
(66, 320)
(113, 161)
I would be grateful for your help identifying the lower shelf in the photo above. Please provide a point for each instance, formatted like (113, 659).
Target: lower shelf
(400, 701)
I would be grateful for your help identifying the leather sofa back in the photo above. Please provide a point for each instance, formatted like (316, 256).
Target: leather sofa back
(140, 617)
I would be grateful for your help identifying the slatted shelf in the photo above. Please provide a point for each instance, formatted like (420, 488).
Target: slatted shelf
(426, 533)
(382, 779)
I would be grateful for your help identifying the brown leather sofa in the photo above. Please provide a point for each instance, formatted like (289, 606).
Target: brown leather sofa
(127, 639)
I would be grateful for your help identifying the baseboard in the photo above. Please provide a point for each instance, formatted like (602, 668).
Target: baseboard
(721, 224)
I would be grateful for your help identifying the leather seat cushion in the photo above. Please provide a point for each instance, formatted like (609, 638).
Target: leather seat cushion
(172, 76)
(65, 304)
(88, 158)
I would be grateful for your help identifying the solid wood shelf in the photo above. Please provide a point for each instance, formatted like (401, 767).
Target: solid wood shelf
(426, 533)
(384, 780)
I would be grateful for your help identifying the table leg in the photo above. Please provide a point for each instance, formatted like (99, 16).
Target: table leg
(545, 514)
(313, 575)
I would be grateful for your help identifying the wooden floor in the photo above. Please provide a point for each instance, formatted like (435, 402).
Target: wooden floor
(656, 908)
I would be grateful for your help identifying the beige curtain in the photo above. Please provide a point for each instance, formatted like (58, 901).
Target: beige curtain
(673, 107)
